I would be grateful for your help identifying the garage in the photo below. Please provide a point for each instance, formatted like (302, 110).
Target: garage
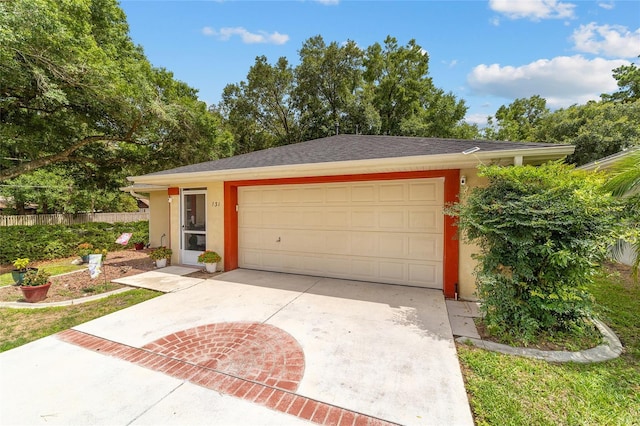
(388, 231)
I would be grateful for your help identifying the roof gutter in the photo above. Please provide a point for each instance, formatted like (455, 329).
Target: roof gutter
(376, 165)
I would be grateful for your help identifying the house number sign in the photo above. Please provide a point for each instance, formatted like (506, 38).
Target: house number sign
(215, 204)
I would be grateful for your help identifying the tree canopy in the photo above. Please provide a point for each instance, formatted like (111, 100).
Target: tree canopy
(76, 90)
(383, 89)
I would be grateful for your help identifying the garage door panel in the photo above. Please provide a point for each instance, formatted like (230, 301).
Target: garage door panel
(391, 192)
(393, 272)
(427, 192)
(363, 193)
(426, 219)
(363, 219)
(335, 243)
(338, 194)
(383, 231)
(250, 218)
(391, 246)
(337, 219)
(392, 220)
(429, 273)
(425, 247)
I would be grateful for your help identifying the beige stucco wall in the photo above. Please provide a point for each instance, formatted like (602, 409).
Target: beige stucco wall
(158, 218)
(215, 219)
(466, 266)
(165, 219)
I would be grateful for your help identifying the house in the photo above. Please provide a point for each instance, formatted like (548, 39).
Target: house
(348, 206)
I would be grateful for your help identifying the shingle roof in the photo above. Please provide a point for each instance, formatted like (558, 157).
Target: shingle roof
(349, 148)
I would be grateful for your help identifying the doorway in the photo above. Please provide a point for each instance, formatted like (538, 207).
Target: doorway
(193, 221)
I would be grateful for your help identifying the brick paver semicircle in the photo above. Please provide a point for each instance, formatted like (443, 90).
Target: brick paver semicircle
(251, 351)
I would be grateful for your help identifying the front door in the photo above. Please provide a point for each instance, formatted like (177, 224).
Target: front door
(193, 221)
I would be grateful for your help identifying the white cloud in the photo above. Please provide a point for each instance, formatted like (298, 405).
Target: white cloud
(562, 81)
(247, 37)
(608, 5)
(533, 9)
(479, 119)
(608, 40)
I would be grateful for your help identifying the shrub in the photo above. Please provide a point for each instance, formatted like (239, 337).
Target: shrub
(39, 242)
(209, 257)
(541, 232)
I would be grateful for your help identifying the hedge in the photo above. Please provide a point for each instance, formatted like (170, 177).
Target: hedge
(41, 242)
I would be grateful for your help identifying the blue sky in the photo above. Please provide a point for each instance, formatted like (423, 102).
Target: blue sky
(487, 52)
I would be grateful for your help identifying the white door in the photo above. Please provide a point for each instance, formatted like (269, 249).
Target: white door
(193, 224)
(380, 231)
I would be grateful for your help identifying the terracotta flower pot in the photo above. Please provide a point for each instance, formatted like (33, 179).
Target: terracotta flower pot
(33, 294)
(138, 246)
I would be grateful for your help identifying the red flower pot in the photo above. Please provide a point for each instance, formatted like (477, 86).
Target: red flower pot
(36, 293)
(138, 246)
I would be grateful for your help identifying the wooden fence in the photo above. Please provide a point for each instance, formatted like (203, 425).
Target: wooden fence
(70, 219)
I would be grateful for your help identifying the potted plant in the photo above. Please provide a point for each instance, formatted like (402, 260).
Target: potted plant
(35, 285)
(21, 268)
(210, 260)
(160, 255)
(139, 241)
(84, 250)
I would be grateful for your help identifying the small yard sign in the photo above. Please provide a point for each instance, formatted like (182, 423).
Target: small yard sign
(124, 238)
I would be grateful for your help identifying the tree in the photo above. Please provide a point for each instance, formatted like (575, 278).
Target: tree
(628, 78)
(541, 231)
(75, 89)
(260, 111)
(404, 95)
(518, 120)
(597, 129)
(55, 189)
(625, 182)
(329, 92)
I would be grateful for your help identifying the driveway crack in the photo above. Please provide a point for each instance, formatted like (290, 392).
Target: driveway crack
(155, 404)
(302, 293)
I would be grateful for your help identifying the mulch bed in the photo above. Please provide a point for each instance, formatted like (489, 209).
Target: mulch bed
(79, 284)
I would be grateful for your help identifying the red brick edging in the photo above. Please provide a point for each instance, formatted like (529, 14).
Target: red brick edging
(278, 395)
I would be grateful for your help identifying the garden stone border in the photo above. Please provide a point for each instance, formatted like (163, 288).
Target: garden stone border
(26, 305)
(611, 349)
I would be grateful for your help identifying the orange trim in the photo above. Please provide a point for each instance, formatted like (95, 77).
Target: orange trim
(451, 243)
(451, 191)
(230, 226)
(173, 190)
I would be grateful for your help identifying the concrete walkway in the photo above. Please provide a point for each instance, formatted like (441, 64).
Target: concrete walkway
(250, 348)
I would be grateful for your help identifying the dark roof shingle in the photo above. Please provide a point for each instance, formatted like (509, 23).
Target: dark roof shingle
(349, 148)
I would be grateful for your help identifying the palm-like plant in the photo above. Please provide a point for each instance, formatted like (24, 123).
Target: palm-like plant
(625, 182)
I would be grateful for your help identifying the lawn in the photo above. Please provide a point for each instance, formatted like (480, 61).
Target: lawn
(20, 326)
(54, 268)
(510, 390)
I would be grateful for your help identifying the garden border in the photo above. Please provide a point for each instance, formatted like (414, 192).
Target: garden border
(611, 349)
(78, 301)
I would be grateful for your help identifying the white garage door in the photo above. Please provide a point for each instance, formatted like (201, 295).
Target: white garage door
(380, 231)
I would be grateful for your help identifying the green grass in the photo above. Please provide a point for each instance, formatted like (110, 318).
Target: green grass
(20, 326)
(510, 390)
(55, 268)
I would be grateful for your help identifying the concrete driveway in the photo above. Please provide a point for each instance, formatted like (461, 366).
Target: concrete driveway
(248, 348)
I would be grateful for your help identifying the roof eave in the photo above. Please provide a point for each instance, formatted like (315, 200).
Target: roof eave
(376, 165)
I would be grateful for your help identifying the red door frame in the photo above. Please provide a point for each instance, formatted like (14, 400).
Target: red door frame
(451, 193)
